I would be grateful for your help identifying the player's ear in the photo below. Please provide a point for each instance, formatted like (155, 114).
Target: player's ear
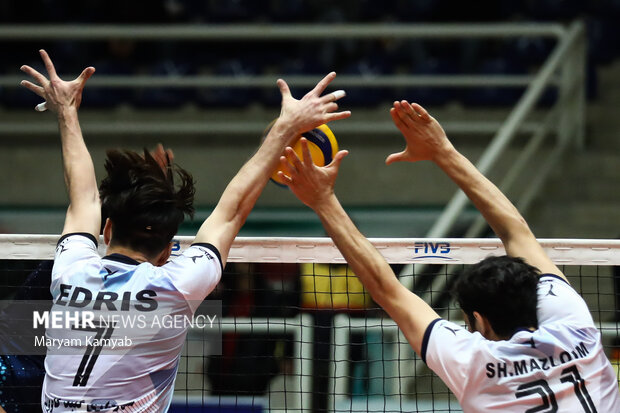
(482, 325)
(107, 231)
(164, 255)
(471, 327)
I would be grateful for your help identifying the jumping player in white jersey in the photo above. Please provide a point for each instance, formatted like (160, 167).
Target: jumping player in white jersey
(531, 344)
(143, 209)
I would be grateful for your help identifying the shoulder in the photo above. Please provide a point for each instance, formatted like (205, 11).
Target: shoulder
(443, 335)
(549, 278)
(76, 256)
(200, 253)
(455, 354)
(551, 285)
(559, 302)
(195, 272)
(77, 238)
(74, 247)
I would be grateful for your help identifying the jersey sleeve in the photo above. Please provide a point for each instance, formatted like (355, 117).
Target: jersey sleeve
(196, 272)
(73, 249)
(448, 350)
(559, 302)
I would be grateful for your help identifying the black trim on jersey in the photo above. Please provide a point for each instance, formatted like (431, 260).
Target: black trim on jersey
(212, 248)
(553, 276)
(426, 338)
(84, 234)
(121, 258)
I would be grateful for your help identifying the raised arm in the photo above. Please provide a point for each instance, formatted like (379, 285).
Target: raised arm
(314, 186)
(239, 197)
(426, 140)
(64, 98)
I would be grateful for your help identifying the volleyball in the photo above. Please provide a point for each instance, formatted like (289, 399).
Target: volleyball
(322, 144)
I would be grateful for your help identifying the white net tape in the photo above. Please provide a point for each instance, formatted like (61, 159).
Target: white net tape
(395, 250)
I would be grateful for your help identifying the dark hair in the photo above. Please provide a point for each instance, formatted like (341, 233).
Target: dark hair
(140, 198)
(503, 289)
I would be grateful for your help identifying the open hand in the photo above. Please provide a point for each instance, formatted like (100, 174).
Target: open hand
(56, 92)
(425, 137)
(313, 109)
(310, 183)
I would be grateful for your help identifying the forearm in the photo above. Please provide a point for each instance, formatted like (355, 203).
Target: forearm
(243, 191)
(84, 211)
(361, 256)
(495, 207)
(408, 310)
(78, 166)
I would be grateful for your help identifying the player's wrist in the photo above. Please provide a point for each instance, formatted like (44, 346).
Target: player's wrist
(294, 123)
(324, 205)
(66, 112)
(283, 130)
(445, 156)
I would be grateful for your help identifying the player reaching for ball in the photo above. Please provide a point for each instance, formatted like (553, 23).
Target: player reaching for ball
(531, 344)
(143, 209)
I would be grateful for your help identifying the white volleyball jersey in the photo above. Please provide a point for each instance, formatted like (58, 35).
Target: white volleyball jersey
(139, 374)
(560, 367)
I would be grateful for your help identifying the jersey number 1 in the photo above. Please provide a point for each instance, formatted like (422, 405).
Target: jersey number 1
(549, 403)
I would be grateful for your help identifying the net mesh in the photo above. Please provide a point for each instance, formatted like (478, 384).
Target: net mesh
(299, 331)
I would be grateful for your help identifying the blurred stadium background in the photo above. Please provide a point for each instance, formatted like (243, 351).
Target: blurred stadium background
(213, 129)
(528, 90)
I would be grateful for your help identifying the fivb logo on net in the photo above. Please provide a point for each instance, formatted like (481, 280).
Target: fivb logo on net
(176, 248)
(438, 250)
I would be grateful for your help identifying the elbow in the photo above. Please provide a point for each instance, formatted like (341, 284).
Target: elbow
(93, 198)
(85, 200)
(520, 225)
(516, 229)
(237, 220)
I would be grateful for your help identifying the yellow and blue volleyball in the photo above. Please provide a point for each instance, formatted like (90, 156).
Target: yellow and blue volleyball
(322, 144)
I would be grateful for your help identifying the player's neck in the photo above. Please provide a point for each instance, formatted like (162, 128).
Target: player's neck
(118, 249)
(493, 336)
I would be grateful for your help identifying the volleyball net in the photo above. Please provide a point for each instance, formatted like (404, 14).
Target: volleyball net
(300, 333)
